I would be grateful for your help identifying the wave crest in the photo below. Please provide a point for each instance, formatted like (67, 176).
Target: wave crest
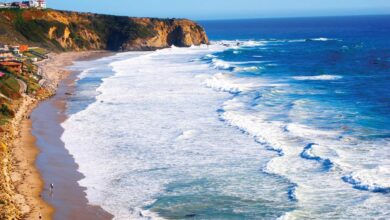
(374, 180)
(318, 77)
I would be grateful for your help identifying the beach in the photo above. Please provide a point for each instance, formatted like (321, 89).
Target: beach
(27, 175)
(238, 129)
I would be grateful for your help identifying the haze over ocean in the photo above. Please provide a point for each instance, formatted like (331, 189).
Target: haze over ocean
(280, 118)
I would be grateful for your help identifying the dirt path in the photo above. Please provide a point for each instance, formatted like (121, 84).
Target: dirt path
(23, 86)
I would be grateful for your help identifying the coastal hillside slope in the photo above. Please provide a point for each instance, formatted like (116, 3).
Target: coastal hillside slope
(74, 31)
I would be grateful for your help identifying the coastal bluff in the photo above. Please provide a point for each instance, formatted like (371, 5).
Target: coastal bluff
(75, 31)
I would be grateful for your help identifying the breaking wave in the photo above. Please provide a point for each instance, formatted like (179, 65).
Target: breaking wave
(374, 180)
(319, 77)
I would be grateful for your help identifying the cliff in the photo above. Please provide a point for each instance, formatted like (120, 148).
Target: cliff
(65, 31)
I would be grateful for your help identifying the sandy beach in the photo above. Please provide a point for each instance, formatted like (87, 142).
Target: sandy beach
(27, 174)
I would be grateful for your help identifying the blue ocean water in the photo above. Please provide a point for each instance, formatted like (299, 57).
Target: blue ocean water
(357, 49)
(276, 119)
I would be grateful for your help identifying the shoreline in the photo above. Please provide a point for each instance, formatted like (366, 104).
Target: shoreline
(27, 174)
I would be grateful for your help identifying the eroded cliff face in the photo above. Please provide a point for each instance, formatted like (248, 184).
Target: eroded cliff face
(181, 33)
(62, 30)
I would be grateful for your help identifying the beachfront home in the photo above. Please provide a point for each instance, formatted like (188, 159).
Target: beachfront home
(15, 50)
(12, 66)
(6, 55)
(3, 46)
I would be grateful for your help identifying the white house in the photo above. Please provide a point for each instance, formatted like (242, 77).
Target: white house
(33, 3)
(42, 3)
(37, 3)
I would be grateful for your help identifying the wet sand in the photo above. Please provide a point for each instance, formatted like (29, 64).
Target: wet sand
(40, 138)
(29, 175)
(57, 166)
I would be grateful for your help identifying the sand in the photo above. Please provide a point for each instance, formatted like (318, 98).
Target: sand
(28, 174)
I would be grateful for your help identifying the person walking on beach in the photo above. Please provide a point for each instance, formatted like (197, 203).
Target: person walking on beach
(51, 187)
(40, 215)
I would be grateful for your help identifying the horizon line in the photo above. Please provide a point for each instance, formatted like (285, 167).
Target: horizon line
(292, 17)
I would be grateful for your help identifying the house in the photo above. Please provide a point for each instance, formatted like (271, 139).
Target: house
(42, 3)
(12, 66)
(23, 5)
(33, 4)
(37, 3)
(15, 50)
(4, 47)
(6, 55)
(2, 74)
(26, 3)
(18, 5)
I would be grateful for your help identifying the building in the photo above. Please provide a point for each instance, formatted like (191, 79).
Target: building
(3, 47)
(6, 55)
(12, 66)
(15, 50)
(16, 4)
(33, 4)
(37, 4)
(41, 4)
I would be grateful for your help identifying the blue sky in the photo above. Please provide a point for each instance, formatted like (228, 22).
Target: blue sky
(225, 9)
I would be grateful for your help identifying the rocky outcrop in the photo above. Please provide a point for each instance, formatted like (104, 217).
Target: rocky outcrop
(181, 33)
(61, 30)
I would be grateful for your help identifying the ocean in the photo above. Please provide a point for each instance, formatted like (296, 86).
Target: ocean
(276, 119)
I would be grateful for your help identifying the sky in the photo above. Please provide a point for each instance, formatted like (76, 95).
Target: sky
(225, 9)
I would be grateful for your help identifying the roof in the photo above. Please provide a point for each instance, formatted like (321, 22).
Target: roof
(10, 63)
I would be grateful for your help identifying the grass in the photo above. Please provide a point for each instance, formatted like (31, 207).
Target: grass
(39, 50)
(9, 82)
(3, 120)
(6, 111)
(10, 87)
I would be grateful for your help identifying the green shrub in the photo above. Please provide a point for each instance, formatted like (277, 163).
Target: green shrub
(6, 111)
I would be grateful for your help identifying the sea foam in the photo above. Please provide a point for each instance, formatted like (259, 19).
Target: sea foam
(194, 128)
(153, 135)
(318, 77)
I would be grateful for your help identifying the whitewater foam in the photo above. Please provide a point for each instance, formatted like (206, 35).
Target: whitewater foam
(153, 136)
(175, 145)
(375, 180)
(222, 82)
(319, 77)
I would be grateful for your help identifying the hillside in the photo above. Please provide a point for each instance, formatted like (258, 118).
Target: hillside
(65, 31)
